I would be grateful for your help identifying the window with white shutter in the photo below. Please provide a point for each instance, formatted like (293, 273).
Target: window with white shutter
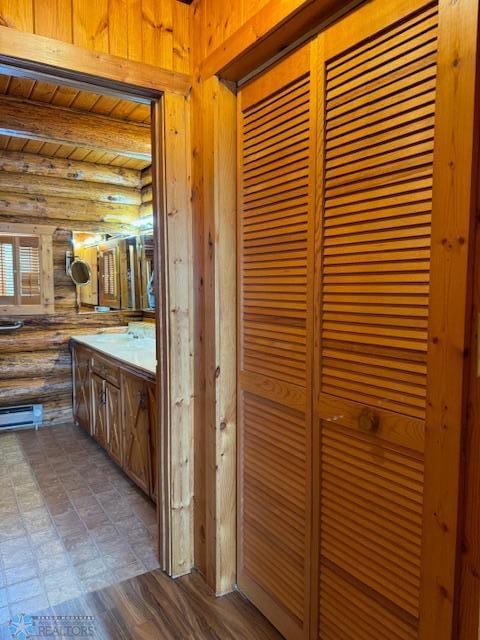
(26, 269)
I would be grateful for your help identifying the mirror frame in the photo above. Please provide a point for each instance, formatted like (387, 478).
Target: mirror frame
(83, 262)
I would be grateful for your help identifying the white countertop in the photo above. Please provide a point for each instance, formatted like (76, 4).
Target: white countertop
(138, 352)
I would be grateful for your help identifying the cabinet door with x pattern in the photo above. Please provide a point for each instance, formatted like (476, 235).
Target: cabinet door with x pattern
(137, 430)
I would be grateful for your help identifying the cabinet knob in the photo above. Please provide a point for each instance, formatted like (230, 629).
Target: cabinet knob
(368, 420)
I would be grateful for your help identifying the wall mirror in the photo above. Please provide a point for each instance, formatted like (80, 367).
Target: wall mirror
(113, 272)
(80, 272)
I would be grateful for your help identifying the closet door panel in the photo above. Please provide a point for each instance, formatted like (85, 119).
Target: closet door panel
(275, 259)
(378, 80)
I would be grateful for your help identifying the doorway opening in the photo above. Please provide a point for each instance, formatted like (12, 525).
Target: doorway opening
(84, 343)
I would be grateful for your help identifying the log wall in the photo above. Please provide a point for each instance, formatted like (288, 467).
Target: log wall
(146, 207)
(35, 362)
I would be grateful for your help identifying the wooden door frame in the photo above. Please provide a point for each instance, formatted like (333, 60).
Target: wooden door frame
(26, 54)
(467, 622)
(215, 128)
(452, 250)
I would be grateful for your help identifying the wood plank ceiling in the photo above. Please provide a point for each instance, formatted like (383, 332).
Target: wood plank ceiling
(84, 101)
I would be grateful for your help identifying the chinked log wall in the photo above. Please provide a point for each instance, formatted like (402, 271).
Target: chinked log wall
(35, 364)
(146, 207)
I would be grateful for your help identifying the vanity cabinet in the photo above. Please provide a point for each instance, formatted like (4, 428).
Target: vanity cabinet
(117, 406)
(115, 439)
(99, 417)
(138, 452)
(82, 387)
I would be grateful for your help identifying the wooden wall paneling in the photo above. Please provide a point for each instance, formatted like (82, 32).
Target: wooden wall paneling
(90, 27)
(454, 199)
(53, 19)
(141, 30)
(118, 33)
(17, 14)
(157, 32)
(179, 441)
(263, 35)
(219, 22)
(134, 26)
(182, 37)
(219, 168)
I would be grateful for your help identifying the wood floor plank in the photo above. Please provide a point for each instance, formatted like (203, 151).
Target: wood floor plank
(153, 605)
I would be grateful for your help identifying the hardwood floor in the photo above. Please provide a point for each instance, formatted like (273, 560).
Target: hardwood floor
(155, 607)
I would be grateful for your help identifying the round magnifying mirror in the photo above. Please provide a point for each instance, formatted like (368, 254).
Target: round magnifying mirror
(80, 272)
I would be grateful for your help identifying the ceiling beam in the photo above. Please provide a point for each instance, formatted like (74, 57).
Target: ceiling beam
(38, 121)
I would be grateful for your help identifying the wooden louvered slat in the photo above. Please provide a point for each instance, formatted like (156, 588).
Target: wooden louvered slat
(278, 122)
(274, 464)
(374, 268)
(285, 146)
(387, 150)
(367, 553)
(354, 236)
(278, 100)
(380, 70)
(364, 617)
(275, 230)
(258, 172)
(276, 241)
(385, 47)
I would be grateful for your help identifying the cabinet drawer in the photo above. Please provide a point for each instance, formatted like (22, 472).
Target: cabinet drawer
(105, 369)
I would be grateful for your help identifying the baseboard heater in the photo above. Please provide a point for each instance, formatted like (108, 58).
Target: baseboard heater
(27, 416)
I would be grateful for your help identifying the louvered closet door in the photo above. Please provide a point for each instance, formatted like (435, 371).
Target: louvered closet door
(376, 83)
(275, 218)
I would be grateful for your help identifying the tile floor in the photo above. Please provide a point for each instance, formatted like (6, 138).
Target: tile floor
(71, 522)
